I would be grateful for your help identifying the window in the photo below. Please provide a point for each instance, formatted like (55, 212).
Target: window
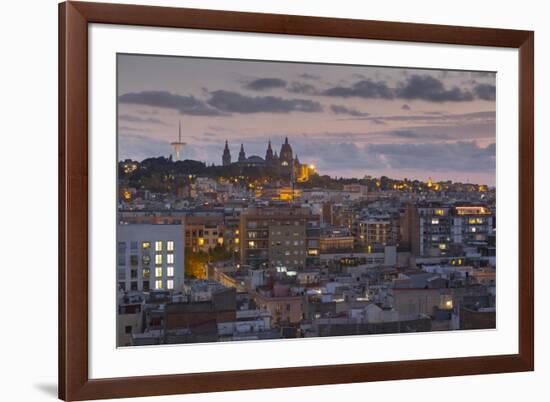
(146, 259)
(170, 258)
(133, 273)
(134, 245)
(146, 273)
(146, 245)
(145, 286)
(158, 246)
(158, 284)
(170, 284)
(170, 271)
(134, 260)
(128, 329)
(158, 259)
(158, 272)
(133, 286)
(170, 245)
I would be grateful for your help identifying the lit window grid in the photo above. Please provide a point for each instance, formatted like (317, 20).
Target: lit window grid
(157, 279)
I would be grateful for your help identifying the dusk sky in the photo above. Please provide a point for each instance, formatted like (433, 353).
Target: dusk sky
(348, 121)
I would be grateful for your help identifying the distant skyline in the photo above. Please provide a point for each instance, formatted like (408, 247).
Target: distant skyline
(348, 121)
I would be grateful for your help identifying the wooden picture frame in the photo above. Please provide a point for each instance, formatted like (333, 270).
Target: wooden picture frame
(74, 381)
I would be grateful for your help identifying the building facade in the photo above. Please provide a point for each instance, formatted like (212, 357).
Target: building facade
(280, 236)
(150, 257)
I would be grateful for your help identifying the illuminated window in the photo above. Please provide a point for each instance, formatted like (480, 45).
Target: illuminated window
(201, 241)
(158, 284)
(170, 258)
(442, 246)
(170, 245)
(170, 271)
(158, 259)
(170, 284)
(145, 245)
(312, 252)
(158, 246)
(251, 244)
(439, 212)
(158, 272)
(435, 221)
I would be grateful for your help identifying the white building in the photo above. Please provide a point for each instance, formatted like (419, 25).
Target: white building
(150, 257)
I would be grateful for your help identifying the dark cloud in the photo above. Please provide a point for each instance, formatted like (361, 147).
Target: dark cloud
(464, 156)
(138, 119)
(339, 109)
(405, 107)
(362, 89)
(415, 87)
(482, 74)
(439, 118)
(309, 76)
(485, 92)
(261, 84)
(188, 105)
(234, 102)
(302, 88)
(404, 134)
(428, 88)
(378, 121)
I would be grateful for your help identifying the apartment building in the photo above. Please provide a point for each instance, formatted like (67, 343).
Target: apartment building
(285, 235)
(150, 257)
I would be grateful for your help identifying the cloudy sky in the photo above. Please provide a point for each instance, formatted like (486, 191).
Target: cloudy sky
(347, 120)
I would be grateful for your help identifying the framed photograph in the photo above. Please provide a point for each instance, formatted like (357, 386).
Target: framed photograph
(260, 200)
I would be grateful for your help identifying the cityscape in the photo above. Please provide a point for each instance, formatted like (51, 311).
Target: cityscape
(234, 227)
